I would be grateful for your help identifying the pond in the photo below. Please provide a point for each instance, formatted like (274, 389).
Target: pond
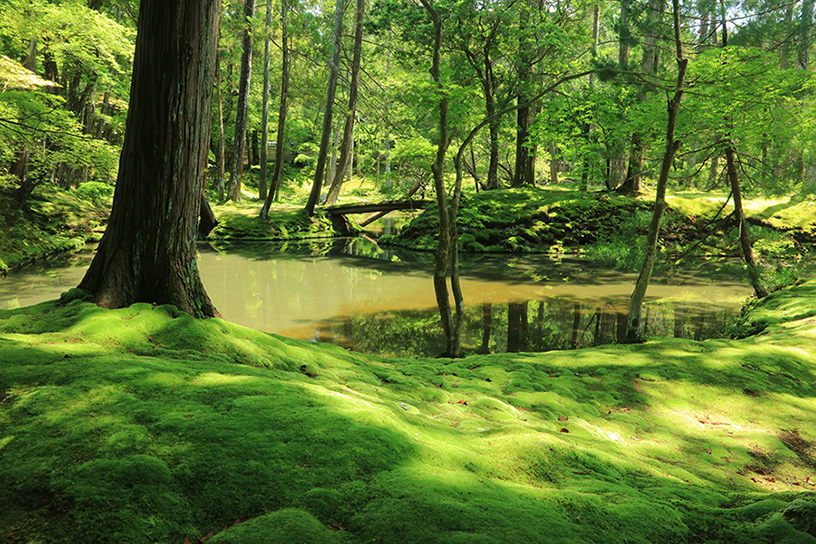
(381, 301)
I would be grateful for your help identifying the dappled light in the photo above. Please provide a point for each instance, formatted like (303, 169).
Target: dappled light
(220, 423)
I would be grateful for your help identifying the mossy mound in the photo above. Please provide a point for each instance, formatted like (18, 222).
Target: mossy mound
(242, 222)
(51, 221)
(144, 425)
(522, 220)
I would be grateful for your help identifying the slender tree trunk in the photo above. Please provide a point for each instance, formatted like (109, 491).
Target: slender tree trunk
(553, 149)
(636, 301)
(30, 61)
(387, 118)
(348, 130)
(649, 65)
(220, 146)
(489, 87)
(254, 155)
(746, 248)
(237, 170)
(262, 184)
(280, 149)
(445, 245)
(624, 35)
(325, 138)
(714, 169)
(521, 171)
(148, 252)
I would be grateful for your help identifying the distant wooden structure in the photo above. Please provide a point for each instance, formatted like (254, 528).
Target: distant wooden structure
(338, 212)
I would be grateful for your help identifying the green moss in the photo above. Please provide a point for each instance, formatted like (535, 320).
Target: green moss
(145, 425)
(241, 221)
(288, 526)
(52, 222)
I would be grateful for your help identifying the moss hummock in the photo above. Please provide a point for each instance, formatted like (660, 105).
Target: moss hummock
(144, 425)
(242, 222)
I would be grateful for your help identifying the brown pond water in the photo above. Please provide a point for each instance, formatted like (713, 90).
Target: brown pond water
(352, 293)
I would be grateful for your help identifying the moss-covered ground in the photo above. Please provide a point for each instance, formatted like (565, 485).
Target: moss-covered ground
(142, 425)
(51, 221)
(241, 222)
(610, 229)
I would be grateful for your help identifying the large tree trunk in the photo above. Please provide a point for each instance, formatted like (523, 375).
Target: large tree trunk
(148, 252)
(331, 91)
(237, 170)
(348, 129)
(636, 301)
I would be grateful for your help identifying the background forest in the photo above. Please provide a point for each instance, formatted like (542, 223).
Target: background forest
(748, 88)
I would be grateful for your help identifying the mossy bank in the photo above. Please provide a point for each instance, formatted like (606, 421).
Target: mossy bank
(51, 221)
(610, 229)
(144, 425)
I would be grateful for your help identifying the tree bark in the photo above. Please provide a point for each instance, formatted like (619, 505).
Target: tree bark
(444, 243)
(746, 249)
(636, 301)
(348, 129)
(237, 170)
(148, 253)
(325, 138)
(262, 185)
(649, 65)
(220, 185)
(521, 171)
(280, 148)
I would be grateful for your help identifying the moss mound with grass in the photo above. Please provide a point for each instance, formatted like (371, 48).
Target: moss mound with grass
(241, 222)
(144, 425)
(610, 229)
(51, 221)
(533, 220)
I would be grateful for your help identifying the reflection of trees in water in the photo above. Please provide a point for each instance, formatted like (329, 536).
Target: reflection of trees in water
(539, 325)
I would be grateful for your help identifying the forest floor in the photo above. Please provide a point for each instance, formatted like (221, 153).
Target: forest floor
(144, 425)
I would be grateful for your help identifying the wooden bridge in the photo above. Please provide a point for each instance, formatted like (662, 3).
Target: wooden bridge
(379, 209)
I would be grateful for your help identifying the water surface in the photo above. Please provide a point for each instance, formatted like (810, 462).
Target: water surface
(353, 293)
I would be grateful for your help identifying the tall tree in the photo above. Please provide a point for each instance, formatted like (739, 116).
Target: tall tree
(280, 149)
(148, 252)
(280, 146)
(633, 323)
(265, 105)
(444, 243)
(524, 170)
(237, 170)
(348, 129)
(220, 150)
(331, 91)
(746, 248)
(648, 65)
